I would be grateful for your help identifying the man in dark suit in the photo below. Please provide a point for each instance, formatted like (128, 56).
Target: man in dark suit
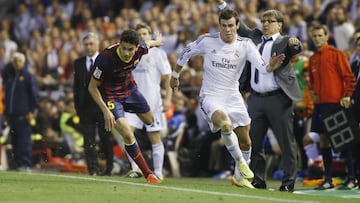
(272, 96)
(278, 90)
(355, 67)
(91, 117)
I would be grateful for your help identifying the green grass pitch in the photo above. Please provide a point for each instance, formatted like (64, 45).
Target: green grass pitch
(39, 187)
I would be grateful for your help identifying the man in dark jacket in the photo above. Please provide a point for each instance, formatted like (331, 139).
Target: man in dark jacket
(91, 117)
(355, 67)
(21, 101)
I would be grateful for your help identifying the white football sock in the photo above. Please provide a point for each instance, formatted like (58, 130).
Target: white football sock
(246, 155)
(311, 151)
(158, 151)
(232, 144)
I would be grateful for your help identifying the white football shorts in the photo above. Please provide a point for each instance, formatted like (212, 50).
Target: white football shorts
(233, 106)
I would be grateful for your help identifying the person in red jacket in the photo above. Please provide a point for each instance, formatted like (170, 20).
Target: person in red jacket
(331, 84)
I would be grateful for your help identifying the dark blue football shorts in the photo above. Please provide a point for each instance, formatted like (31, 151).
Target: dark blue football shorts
(318, 110)
(135, 103)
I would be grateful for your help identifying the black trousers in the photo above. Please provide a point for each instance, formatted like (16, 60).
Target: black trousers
(273, 111)
(299, 133)
(20, 134)
(92, 124)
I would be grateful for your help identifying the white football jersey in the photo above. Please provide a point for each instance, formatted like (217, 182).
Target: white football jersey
(223, 62)
(147, 75)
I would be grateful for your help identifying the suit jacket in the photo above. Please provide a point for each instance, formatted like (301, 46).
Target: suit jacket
(284, 75)
(82, 98)
(355, 67)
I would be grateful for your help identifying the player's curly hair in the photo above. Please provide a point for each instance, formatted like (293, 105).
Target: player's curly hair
(130, 36)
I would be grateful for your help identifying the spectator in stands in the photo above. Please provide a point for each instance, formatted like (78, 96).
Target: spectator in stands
(22, 23)
(70, 130)
(343, 29)
(48, 125)
(298, 26)
(10, 45)
(174, 139)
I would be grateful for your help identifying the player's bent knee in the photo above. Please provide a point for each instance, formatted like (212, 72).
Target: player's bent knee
(128, 139)
(226, 126)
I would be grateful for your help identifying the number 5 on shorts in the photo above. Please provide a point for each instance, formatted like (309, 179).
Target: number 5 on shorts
(110, 105)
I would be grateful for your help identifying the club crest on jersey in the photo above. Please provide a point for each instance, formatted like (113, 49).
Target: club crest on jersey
(237, 53)
(97, 73)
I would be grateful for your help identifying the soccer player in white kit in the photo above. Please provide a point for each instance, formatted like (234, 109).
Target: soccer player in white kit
(153, 69)
(222, 105)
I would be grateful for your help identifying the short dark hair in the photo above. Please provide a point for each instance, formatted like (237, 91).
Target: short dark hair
(276, 13)
(227, 14)
(130, 36)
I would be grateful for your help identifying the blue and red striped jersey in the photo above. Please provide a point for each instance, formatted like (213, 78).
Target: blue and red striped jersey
(117, 81)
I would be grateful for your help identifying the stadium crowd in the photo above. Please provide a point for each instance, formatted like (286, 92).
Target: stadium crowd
(49, 33)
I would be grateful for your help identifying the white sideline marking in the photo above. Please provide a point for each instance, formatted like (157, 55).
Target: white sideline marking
(356, 193)
(270, 199)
